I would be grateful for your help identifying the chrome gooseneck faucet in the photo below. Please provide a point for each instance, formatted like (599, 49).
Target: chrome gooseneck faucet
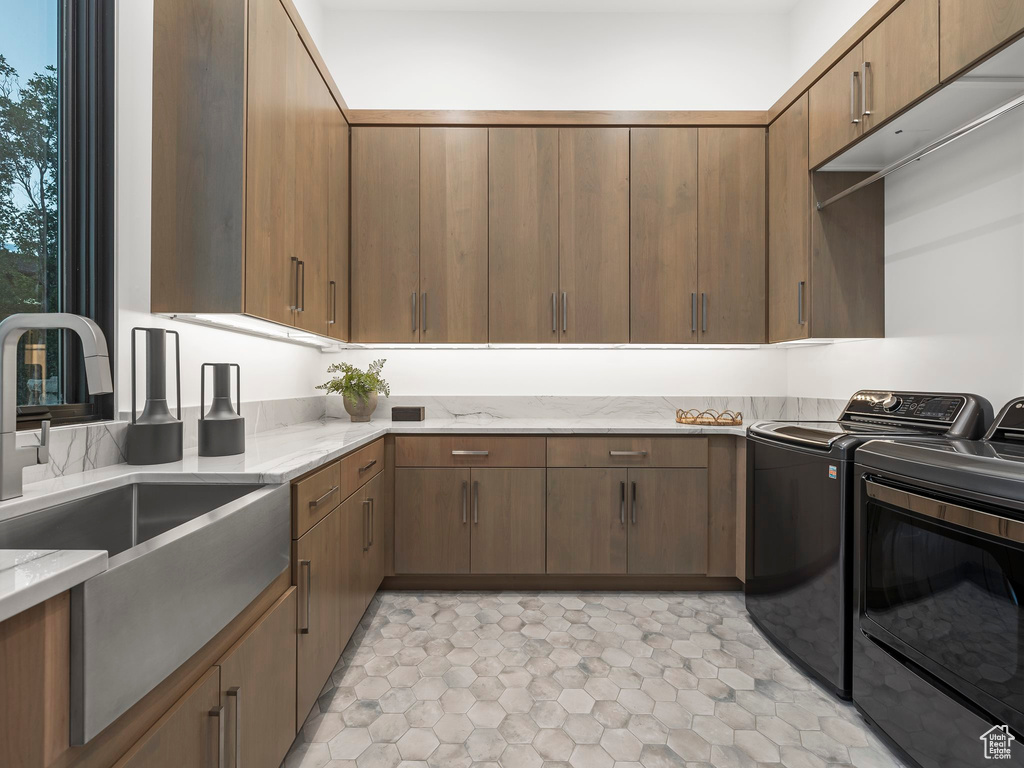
(97, 376)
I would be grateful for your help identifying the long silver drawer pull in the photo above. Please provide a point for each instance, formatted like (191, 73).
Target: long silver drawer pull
(864, 89)
(371, 520)
(622, 503)
(634, 503)
(565, 311)
(414, 311)
(334, 302)
(704, 312)
(302, 302)
(953, 514)
(853, 97)
(476, 502)
(308, 565)
(363, 469)
(295, 275)
(693, 312)
(800, 302)
(627, 453)
(321, 500)
(423, 305)
(554, 313)
(465, 500)
(235, 693)
(470, 453)
(366, 525)
(218, 714)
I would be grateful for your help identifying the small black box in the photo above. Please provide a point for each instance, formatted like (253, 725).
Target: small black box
(407, 413)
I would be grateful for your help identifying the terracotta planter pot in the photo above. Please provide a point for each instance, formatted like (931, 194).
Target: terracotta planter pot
(360, 410)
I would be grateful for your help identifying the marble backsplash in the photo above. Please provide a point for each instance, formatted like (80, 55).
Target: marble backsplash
(79, 448)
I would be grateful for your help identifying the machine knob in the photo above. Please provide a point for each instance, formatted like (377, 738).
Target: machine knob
(891, 403)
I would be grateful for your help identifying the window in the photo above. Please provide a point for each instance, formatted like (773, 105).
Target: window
(56, 192)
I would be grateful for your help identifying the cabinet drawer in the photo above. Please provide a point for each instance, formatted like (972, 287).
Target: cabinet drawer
(627, 451)
(314, 496)
(361, 467)
(469, 451)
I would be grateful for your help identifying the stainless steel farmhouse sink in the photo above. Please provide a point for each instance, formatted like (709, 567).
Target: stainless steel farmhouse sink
(184, 559)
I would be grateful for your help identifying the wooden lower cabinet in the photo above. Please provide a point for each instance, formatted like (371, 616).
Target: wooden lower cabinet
(668, 521)
(508, 528)
(188, 735)
(586, 526)
(376, 563)
(257, 682)
(354, 551)
(431, 520)
(317, 571)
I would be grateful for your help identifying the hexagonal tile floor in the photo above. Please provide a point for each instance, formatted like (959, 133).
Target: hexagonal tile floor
(587, 680)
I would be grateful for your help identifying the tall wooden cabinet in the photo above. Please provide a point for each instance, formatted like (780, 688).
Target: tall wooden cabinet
(523, 235)
(731, 235)
(337, 219)
(593, 226)
(663, 236)
(246, 217)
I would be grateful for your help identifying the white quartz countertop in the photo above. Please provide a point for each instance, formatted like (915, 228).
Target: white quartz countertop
(273, 457)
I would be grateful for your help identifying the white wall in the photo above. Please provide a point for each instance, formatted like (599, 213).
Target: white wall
(441, 60)
(815, 26)
(954, 277)
(553, 371)
(269, 369)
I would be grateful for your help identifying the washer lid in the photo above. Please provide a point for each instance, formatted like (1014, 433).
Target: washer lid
(823, 434)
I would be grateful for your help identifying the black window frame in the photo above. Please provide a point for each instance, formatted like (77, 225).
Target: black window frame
(86, 206)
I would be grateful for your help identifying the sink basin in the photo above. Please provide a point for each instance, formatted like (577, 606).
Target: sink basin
(184, 560)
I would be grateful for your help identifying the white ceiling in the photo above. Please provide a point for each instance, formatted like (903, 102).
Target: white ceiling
(568, 6)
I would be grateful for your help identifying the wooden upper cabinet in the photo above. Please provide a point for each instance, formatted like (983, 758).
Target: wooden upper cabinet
(385, 234)
(312, 192)
(834, 104)
(593, 225)
(731, 235)
(789, 225)
(970, 29)
(453, 235)
(523, 235)
(338, 232)
(276, 87)
(663, 236)
(901, 60)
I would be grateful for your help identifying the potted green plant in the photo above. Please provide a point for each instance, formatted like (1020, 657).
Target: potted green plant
(358, 389)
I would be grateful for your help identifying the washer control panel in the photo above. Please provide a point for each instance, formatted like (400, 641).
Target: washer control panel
(884, 407)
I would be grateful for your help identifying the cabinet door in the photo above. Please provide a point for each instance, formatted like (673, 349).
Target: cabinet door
(668, 521)
(453, 235)
(374, 494)
(663, 235)
(385, 234)
(312, 190)
(969, 29)
(257, 682)
(508, 529)
(586, 521)
(273, 114)
(189, 735)
(522, 235)
(834, 106)
(432, 520)
(317, 573)
(731, 235)
(901, 60)
(338, 230)
(593, 227)
(789, 225)
(354, 566)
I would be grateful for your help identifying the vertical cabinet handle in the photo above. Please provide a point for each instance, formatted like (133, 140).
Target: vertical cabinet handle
(800, 302)
(372, 516)
(864, 68)
(308, 565)
(366, 525)
(704, 313)
(301, 299)
(634, 502)
(465, 500)
(565, 311)
(476, 502)
(334, 303)
(554, 313)
(295, 284)
(235, 693)
(693, 312)
(414, 311)
(622, 503)
(854, 119)
(423, 306)
(217, 713)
